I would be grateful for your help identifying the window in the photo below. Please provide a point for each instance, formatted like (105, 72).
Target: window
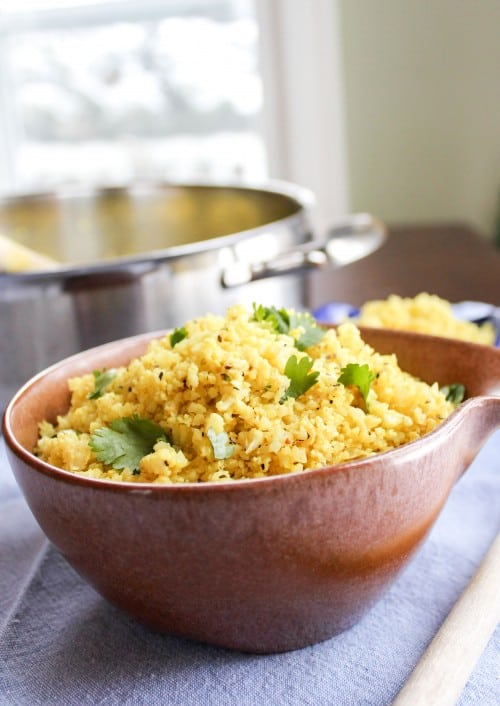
(108, 91)
(115, 91)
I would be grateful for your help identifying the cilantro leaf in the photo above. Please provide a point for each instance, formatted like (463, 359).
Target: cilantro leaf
(360, 376)
(283, 321)
(220, 444)
(102, 378)
(278, 319)
(454, 393)
(126, 441)
(178, 335)
(312, 333)
(300, 377)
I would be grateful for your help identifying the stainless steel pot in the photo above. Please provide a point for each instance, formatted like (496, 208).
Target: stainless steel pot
(151, 256)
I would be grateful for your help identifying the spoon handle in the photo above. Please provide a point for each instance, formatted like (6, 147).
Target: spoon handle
(445, 667)
(15, 257)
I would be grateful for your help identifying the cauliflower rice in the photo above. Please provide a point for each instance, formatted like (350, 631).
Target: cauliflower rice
(425, 313)
(225, 381)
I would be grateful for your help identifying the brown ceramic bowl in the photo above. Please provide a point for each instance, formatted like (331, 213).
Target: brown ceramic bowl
(262, 565)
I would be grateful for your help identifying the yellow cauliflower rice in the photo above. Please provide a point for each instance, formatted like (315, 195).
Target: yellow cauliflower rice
(425, 313)
(232, 397)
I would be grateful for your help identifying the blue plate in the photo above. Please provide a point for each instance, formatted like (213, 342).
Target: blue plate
(477, 312)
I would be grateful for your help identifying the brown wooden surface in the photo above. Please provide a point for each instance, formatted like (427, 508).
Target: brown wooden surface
(452, 261)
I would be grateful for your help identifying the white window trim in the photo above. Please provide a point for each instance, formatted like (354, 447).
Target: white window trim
(8, 131)
(86, 13)
(303, 99)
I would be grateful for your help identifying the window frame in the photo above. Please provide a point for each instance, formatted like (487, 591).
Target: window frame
(303, 113)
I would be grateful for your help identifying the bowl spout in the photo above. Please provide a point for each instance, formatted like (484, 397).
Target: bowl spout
(475, 420)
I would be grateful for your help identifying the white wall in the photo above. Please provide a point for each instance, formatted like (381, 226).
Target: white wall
(422, 105)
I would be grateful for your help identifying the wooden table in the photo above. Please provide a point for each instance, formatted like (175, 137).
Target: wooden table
(452, 261)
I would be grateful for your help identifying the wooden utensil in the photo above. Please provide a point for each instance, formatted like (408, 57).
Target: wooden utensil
(445, 667)
(15, 257)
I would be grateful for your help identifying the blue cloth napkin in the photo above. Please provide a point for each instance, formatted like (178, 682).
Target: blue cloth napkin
(61, 643)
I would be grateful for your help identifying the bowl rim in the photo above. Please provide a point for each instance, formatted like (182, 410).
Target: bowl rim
(411, 448)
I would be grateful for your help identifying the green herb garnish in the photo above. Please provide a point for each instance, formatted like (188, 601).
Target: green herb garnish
(312, 333)
(278, 319)
(220, 444)
(178, 335)
(454, 393)
(126, 441)
(300, 377)
(283, 321)
(102, 378)
(360, 376)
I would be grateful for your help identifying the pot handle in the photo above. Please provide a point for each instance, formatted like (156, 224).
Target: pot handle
(348, 241)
